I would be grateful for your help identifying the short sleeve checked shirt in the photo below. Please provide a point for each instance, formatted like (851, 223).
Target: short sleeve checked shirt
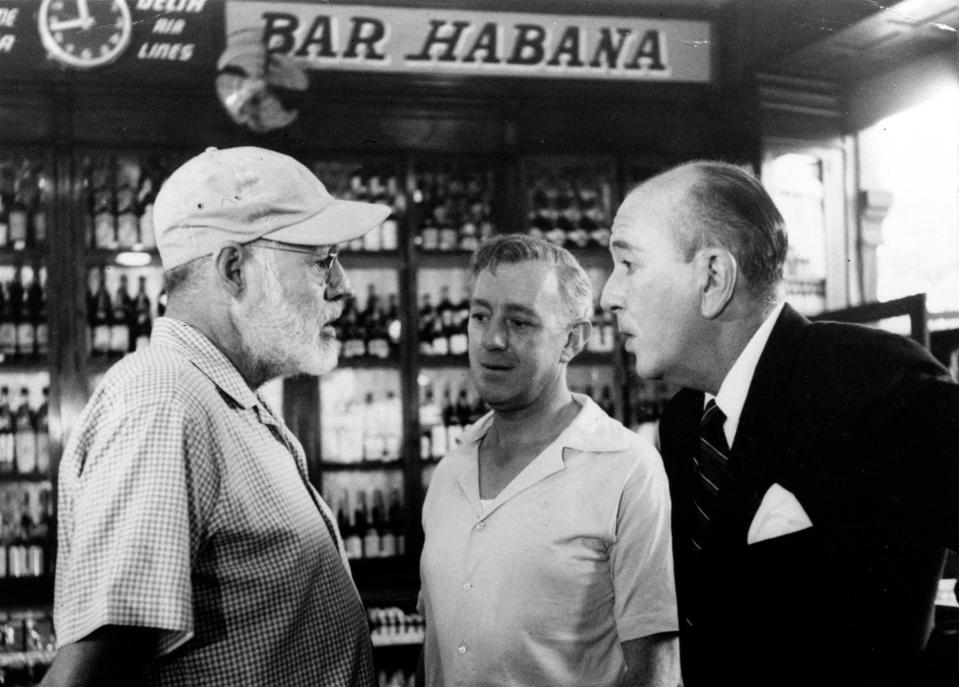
(185, 506)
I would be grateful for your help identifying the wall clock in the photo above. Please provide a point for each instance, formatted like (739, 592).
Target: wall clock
(84, 33)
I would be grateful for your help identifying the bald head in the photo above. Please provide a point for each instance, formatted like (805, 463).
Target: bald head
(718, 204)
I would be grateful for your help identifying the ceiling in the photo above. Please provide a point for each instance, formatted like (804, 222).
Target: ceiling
(886, 38)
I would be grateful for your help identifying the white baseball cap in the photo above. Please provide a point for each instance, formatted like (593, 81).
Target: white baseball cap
(243, 194)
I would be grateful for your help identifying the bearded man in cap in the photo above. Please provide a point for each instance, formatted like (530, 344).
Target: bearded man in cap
(192, 547)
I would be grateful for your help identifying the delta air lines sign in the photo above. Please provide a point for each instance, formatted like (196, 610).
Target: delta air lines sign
(414, 40)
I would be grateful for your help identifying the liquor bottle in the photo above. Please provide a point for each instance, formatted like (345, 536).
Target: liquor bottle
(595, 341)
(354, 344)
(128, 226)
(17, 549)
(396, 520)
(449, 236)
(7, 182)
(30, 333)
(394, 325)
(392, 426)
(161, 302)
(19, 218)
(377, 339)
(43, 433)
(24, 436)
(43, 326)
(608, 326)
(383, 526)
(430, 234)
(104, 218)
(447, 409)
(6, 432)
(439, 342)
(8, 325)
(352, 541)
(100, 317)
(433, 440)
(146, 193)
(361, 521)
(142, 322)
(427, 315)
(373, 445)
(38, 213)
(24, 332)
(120, 319)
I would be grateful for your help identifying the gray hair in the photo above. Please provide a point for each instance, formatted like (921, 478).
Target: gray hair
(728, 207)
(575, 288)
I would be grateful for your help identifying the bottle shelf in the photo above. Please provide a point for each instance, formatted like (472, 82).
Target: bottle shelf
(448, 259)
(26, 591)
(368, 362)
(26, 256)
(102, 256)
(24, 364)
(586, 358)
(13, 477)
(363, 466)
(359, 259)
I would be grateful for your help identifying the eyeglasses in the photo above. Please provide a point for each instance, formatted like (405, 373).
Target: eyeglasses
(325, 256)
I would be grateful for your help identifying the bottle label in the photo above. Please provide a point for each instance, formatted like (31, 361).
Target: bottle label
(119, 338)
(43, 338)
(43, 452)
(127, 230)
(39, 226)
(6, 452)
(105, 231)
(441, 346)
(372, 240)
(371, 545)
(18, 228)
(8, 338)
(459, 344)
(388, 545)
(388, 233)
(25, 338)
(354, 547)
(25, 447)
(101, 338)
(379, 348)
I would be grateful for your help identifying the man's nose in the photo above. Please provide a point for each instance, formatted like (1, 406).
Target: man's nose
(611, 297)
(494, 336)
(338, 285)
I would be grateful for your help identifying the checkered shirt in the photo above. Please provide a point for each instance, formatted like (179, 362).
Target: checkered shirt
(185, 506)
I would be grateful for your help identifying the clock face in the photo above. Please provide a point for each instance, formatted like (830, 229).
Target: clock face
(85, 33)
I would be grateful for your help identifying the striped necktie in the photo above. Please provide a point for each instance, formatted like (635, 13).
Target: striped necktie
(711, 466)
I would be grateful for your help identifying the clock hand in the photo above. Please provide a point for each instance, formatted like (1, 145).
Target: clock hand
(84, 10)
(79, 23)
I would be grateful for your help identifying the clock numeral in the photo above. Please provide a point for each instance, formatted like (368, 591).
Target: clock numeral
(86, 54)
(71, 48)
(58, 5)
(114, 38)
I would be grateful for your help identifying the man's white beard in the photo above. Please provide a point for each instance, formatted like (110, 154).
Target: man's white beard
(281, 337)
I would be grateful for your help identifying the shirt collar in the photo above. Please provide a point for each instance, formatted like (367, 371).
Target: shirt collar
(735, 387)
(207, 358)
(588, 431)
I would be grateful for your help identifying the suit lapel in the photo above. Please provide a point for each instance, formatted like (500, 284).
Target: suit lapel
(764, 425)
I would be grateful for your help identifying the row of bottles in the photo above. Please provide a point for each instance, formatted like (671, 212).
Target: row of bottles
(391, 626)
(371, 331)
(24, 193)
(354, 430)
(371, 527)
(27, 647)
(370, 183)
(455, 207)
(442, 420)
(118, 193)
(24, 331)
(443, 327)
(24, 434)
(569, 207)
(121, 323)
(26, 516)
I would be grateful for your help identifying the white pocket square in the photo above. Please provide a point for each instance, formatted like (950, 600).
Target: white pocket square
(779, 514)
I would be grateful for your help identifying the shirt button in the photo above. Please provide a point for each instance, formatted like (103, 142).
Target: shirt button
(462, 650)
(467, 586)
(480, 525)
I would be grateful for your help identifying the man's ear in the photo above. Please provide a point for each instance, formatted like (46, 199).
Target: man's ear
(718, 274)
(576, 340)
(228, 262)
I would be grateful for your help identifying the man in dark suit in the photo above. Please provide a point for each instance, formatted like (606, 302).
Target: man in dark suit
(813, 467)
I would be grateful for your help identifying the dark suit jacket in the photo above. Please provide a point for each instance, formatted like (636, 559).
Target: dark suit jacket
(862, 426)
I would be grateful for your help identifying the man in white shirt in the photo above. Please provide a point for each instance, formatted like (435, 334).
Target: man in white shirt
(547, 556)
(812, 467)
